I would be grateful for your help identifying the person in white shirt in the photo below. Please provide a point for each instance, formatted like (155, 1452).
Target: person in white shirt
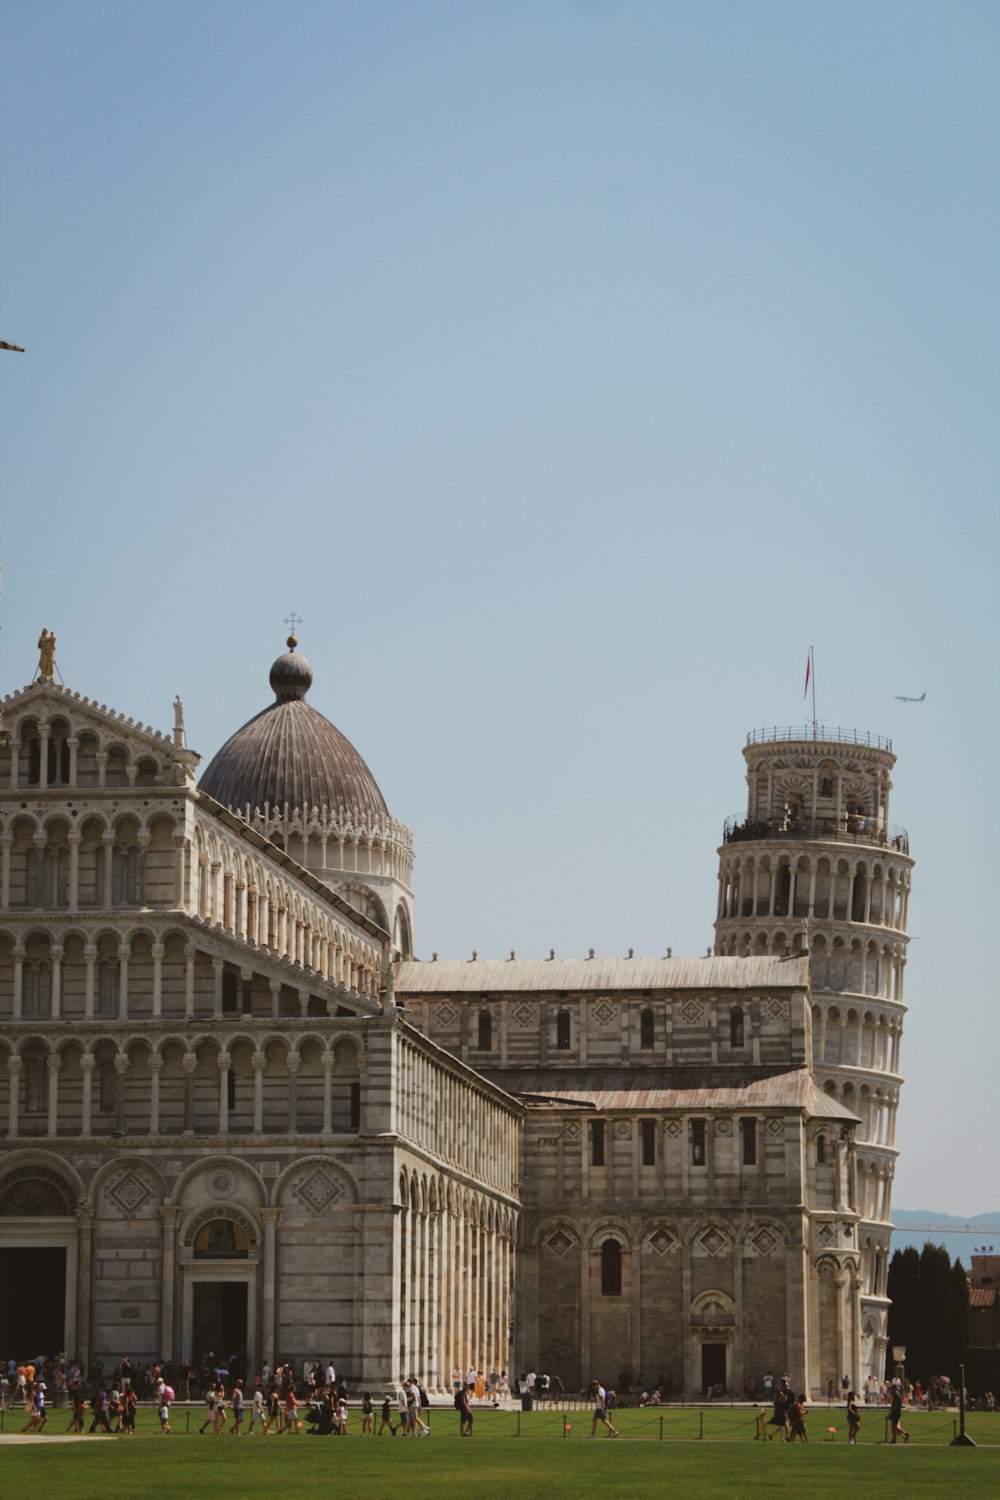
(600, 1396)
(256, 1409)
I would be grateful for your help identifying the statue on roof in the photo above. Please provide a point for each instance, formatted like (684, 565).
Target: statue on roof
(46, 655)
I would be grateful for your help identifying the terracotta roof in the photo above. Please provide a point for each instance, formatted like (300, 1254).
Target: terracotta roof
(290, 755)
(514, 976)
(983, 1296)
(656, 1090)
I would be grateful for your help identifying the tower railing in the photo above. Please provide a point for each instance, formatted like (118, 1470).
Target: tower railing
(849, 828)
(819, 732)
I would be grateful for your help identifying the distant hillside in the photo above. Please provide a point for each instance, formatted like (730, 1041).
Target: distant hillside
(912, 1229)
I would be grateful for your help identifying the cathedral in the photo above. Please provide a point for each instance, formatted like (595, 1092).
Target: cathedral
(238, 1113)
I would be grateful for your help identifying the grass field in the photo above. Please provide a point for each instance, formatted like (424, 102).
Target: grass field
(726, 1464)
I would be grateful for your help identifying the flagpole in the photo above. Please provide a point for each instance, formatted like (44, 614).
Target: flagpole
(812, 658)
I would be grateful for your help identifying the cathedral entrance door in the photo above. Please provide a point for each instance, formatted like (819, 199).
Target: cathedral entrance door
(713, 1367)
(219, 1320)
(33, 1305)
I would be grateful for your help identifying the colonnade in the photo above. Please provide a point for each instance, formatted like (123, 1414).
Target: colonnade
(202, 1077)
(456, 1258)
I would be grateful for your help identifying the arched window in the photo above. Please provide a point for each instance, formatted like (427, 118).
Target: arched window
(736, 1027)
(562, 1030)
(748, 1141)
(647, 1030)
(484, 1041)
(229, 990)
(107, 984)
(611, 1269)
(34, 1085)
(36, 992)
(107, 1087)
(820, 1150)
(54, 877)
(124, 876)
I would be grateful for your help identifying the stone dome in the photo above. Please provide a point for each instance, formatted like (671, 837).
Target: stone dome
(290, 755)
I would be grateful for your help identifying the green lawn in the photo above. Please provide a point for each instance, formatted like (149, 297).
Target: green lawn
(725, 1465)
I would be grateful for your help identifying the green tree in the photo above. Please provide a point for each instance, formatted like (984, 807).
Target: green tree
(935, 1323)
(903, 1289)
(959, 1314)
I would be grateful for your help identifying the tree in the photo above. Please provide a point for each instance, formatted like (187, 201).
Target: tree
(935, 1324)
(959, 1314)
(903, 1289)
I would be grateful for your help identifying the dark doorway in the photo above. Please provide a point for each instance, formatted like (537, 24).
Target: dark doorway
(713, 1367)
(33, 1305)
(219, 1320)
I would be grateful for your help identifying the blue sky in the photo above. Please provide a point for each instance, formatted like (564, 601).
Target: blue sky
(569, 368)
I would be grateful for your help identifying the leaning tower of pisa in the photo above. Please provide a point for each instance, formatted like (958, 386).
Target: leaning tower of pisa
(816, 866)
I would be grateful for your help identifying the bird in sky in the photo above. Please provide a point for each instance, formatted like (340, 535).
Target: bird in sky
(901, 699)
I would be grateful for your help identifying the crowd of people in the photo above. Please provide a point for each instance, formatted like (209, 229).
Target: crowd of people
(275, 1403)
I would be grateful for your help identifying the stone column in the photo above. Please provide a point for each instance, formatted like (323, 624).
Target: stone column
(75, 840)
(158, 951)
(6, 840)
(84, 1214)
(189, 1062)
(293, 1095)
(87, 1065)
(56, 997)
(123, 954)
(18, 981)
(109, 846)
(53, 1064)
(121, 1068)
(169, 1216)
(180, 850)
(259, 1063)
(43, 761)
(90, 960)
(275, 988)
(14, 1090)
(155, 1069)
(189, 953)
(327, 1061)
(224, 1062)
(217, 968)
(271, 1218)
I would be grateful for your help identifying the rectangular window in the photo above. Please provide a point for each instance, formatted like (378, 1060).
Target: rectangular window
(597, 1143)
(647, 1129)
(697, 1131)
(748, 1139)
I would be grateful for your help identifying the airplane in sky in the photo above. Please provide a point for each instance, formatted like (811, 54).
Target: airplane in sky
(900, 698)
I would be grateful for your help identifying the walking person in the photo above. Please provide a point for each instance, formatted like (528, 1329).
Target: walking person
(798, 1415)
(210, 1406)
(464, 1410)
(237, 1409)
(367, 1415)
(414, 1420)
(101, 1411)
(386, 1418)
(853, 1418)
(896, 1415)
(600, 1396)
